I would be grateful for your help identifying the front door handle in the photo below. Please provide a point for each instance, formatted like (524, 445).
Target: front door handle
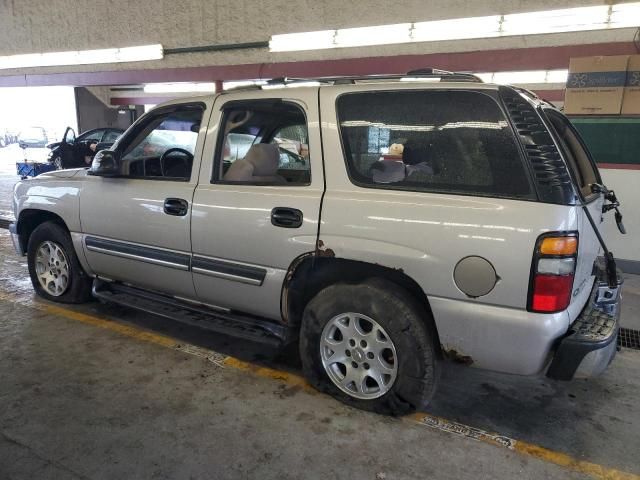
(286, 217)
(176, 206)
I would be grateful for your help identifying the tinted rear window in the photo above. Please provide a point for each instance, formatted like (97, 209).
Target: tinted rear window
(449, 141)
(576, 156)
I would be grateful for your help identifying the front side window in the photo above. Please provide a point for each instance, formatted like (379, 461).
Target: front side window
(449, 141)
(94, 136)
(263, 143)
(164, 146)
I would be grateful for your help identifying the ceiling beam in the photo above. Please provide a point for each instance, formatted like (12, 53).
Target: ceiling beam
(538, 58)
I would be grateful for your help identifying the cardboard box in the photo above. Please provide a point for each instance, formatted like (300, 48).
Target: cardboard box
(631, 99)
(595, 85)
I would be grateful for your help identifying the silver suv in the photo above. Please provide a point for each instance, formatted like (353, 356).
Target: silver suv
(384, 223)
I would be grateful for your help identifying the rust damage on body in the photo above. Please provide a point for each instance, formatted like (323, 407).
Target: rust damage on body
(455, 356)
(323, 251)
(284, 298)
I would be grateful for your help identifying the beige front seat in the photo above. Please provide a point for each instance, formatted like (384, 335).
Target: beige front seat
(260, 164)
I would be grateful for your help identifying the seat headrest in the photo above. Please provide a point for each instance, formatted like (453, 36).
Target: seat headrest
(264, 157)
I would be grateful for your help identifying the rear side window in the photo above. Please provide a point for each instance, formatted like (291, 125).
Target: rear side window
(443, 141)
(576, 155)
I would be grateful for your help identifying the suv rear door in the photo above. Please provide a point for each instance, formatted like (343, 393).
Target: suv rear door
(584, 173)
(246, 232)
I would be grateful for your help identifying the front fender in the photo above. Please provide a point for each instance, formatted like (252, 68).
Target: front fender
(56, 192)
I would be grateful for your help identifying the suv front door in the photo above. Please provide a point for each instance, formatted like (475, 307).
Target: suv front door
(136, 227)
(257, 205)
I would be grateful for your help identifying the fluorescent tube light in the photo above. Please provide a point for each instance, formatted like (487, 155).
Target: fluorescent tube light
(525, 77)
(180, 87)
(531, 76)
(624, 15)
(242, 83)
(380, 35)
(302, 41)
(456, 29)
(599, 17)
(83, 57)
(553, 21)
(557, 76)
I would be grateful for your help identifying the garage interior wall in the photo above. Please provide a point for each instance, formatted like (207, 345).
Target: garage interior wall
(93, 113)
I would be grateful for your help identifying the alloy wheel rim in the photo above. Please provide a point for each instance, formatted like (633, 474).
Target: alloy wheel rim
(52, 268)
(358, 356)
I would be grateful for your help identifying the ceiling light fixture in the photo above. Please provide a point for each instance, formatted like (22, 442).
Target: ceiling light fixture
(231, 84)
(526, 77)
(83, 57)
(599, 17)
(180, 87)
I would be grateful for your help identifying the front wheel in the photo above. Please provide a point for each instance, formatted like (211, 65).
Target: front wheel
(56, 273)
(371, 346)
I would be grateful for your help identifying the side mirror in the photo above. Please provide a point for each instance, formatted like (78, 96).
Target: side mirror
(106, 163)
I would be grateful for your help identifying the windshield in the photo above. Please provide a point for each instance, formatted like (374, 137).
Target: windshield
(179, 130)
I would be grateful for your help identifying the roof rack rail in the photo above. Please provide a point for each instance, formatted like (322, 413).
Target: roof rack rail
(436, 72)
(532, 95)
(426, 73)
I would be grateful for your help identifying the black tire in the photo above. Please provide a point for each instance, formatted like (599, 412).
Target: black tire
(409, 326)
(78, 289)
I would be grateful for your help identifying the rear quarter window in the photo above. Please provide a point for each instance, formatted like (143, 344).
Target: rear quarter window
(441, 141)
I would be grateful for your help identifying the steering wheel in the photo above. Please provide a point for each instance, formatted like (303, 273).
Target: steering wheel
(188, 155)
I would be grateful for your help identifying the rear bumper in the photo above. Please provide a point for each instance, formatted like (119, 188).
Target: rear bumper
(591, 342)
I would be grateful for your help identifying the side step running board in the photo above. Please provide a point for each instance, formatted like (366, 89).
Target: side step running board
(228, 323)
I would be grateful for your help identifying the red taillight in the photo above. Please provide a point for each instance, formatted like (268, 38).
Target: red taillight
(551, 293)
(553, 271)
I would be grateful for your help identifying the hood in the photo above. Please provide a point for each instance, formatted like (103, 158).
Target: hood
(53, 145)
(71, 172)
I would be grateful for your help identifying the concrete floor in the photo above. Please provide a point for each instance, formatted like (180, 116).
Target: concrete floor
(85, 394)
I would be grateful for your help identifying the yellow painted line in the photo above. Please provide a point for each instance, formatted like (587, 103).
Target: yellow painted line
(133, 332)
(266, 372)
(524, 448)
(126, 330)
(593, 470)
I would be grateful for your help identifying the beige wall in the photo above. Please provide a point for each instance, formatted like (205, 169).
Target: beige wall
(625, 183)
(28, 26)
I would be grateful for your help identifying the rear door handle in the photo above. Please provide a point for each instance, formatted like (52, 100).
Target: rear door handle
(176, 206)
(286, 217)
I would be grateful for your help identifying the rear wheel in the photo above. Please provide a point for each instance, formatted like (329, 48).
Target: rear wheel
(371, 346)
(56, 273)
